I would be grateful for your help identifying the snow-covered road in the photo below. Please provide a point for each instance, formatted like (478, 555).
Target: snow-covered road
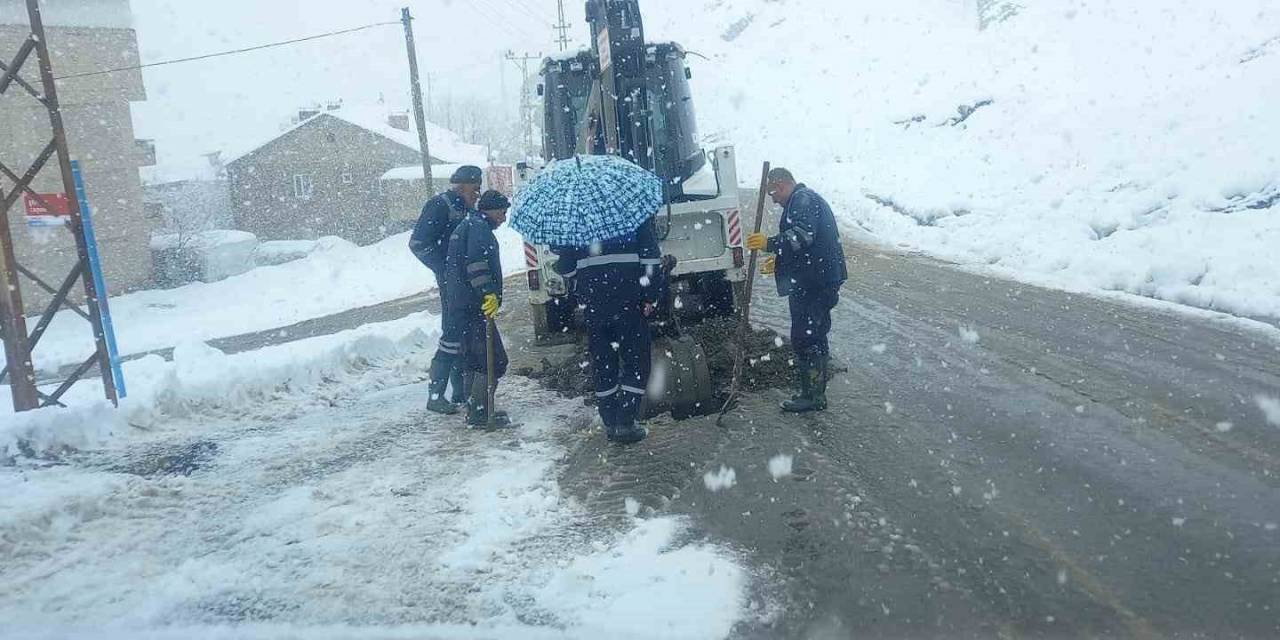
(344, 510)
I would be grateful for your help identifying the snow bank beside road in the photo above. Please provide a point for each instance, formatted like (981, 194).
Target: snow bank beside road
(323, 501)
(201, 378)
(1108, 146)
(336, 277)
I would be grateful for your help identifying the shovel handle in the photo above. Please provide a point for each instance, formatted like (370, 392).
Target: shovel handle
(491, 383)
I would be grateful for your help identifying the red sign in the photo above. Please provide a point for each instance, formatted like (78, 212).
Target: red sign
(57, 212)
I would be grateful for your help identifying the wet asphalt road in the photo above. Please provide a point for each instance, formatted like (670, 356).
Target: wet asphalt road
(999, 460)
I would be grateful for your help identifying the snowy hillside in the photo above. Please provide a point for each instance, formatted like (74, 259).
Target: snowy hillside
(1100, 146)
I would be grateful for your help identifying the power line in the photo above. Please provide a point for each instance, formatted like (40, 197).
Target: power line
(516, 4)
(562, 27)
(227, 53)
(497, 14)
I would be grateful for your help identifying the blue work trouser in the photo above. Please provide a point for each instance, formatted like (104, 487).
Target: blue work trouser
(447, 366)
(811, 323)
(620, 357)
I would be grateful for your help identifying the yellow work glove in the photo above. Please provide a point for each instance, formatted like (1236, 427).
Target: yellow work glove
(757, 242)
(770, 265)
(490, 305)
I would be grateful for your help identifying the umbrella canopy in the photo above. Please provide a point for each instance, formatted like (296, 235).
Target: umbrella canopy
(584, 200)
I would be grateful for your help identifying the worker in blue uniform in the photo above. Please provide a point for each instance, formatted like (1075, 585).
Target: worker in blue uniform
(617, 283)
(430, 244)
(807, 261)
(473, 286)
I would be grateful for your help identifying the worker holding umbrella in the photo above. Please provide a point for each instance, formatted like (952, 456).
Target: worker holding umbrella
(597, 212)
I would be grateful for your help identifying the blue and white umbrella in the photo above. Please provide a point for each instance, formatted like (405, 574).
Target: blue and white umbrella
(584, 200)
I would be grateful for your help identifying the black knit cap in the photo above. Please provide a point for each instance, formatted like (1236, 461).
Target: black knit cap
(467, 175)
(493, 201)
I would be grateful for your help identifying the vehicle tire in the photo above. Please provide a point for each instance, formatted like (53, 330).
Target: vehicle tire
(683, 379)
(554, 322)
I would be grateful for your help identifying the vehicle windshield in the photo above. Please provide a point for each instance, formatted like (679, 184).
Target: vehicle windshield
(677, 154)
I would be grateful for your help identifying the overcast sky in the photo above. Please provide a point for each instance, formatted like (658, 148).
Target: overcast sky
(224, 103)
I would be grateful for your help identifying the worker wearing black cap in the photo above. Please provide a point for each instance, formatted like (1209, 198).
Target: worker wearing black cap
(473, 289)
(430, 243)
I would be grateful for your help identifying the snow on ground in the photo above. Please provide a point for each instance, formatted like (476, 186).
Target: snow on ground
(336, 277)
(1101, 146)
(303, 491)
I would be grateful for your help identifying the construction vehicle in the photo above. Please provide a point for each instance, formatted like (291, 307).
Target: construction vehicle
(630, 98)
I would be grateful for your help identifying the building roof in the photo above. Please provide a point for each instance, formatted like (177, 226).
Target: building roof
(438, 172)
(446, 146)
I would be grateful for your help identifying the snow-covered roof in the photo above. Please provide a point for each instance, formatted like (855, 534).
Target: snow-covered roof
(438, 171)
(446, 146)
(172, 170)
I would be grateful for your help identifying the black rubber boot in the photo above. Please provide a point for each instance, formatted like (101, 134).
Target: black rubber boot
(819, 389)
(799, 402)
(813, 389)
(628, 433)
(436, 402)
(461, 383)
(608, 408)
(478, 410)
(625, 430)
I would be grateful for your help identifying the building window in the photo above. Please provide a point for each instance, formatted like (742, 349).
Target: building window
(302, 187)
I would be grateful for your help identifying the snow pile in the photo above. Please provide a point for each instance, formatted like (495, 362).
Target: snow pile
(335, 277)
(340, 510)
(643, 588)
(277, 252)
(201, 378)
(1110, 145)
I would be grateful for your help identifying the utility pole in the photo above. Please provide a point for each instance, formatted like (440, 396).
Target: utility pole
(416, 87)
(562, 27)
(526, 103)
(18, 344)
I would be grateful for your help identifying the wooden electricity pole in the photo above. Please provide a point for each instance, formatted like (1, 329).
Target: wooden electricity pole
(416, 87)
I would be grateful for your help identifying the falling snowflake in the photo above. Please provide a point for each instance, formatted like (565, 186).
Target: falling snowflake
(780, 466)
(969, 335)
(632, 506)
(880, 348)
(1270, 408)
(720, 480)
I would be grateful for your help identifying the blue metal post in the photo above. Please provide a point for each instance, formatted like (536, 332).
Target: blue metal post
(99, 280)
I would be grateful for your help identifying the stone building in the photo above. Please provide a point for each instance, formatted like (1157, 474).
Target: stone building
(322, 176)
(84, 36)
